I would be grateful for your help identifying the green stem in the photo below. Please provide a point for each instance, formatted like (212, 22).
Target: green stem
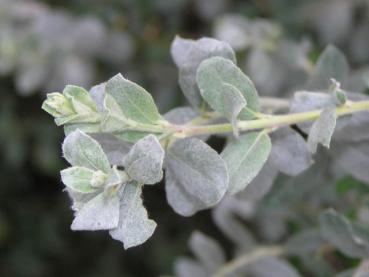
(272, 121)
(247, 259)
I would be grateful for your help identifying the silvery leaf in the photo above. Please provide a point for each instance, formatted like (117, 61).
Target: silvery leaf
(350, 240)
(80, 149)
(322, 130)
(144, 161)
(197, 176)
(207, 250)
(135, 102)
(226, 89)
(100, 213)
(188, 54)
(245, 157)
(134, 226)
(289, 154)
(78, 179)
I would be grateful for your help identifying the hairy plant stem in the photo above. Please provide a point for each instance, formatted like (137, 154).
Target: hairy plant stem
(248, 258)
(270, 121)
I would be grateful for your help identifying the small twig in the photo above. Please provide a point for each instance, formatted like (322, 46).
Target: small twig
(249, 258)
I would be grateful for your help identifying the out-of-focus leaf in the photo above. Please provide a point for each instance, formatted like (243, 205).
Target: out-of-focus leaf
(207, 250)
(336, 229)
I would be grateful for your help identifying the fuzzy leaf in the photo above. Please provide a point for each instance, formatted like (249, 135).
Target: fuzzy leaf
(135, 102)
(207, 250)
(196, 178)
(226, 89)
(78, 179)
(331, 64)
(336, 229)
(245, 157)
(188, 54)
(80, 149)
(289, 154)
(144, 162)
(322, 130)
(100, 213)
(134, 227)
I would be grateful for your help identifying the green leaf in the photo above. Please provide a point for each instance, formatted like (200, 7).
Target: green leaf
(196, 176)
(144, 162)
(322, 129)
(80, 149)
(80, 99)
(188, 54)
(78, 179)
(217, 77)
(100, 213)
(245, 157)
(336, 229)
(331, 64)
(135, 103)
(134, 227)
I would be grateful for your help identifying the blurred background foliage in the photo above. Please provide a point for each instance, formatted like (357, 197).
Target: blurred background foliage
(45, 45)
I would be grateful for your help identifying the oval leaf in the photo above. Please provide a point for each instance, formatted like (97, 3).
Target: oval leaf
(245, 157)
(197, 174)
(80, 149)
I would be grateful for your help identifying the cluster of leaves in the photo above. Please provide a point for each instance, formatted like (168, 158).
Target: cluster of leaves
(118, 124)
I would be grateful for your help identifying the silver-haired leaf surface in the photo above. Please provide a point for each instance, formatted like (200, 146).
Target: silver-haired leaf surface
(79, 149)
(100, 213)
(188, 54)
(134, 226)
(322, 130)
(197, 170)
(135, 102)
(331, 64)
(336, 229)
(290, 154)
(78, 179)
(245, 157)
(222, 84)
(207, 250)
(144, 162)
